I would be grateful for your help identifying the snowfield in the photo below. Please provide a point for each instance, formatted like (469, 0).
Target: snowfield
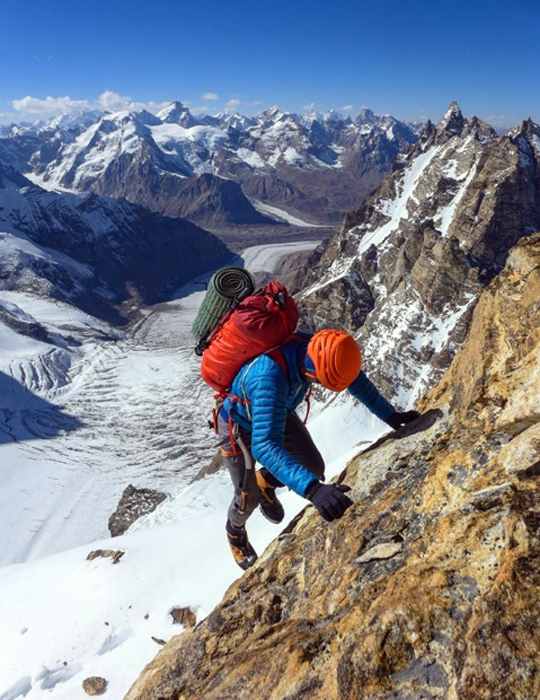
(78, 424)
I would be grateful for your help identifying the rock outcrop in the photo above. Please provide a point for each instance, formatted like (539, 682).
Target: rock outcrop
(94, 685)
(133, 504)
(429, 586)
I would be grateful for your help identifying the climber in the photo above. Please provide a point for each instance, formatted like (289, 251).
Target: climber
(262, 426)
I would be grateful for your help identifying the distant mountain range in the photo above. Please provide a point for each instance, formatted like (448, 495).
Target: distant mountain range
(215, 171)
(439, 551)
(402, 273)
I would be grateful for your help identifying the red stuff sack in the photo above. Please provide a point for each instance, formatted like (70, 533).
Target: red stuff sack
(259, 324)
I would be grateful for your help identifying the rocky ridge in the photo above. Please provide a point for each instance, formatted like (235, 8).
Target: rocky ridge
(405, 270)
(428, 586)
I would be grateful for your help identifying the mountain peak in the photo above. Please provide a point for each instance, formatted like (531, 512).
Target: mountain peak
(237, 120)
(366, 116)
(530, 128)
(82, 119)
(177, 113)
(274, 114)
(453, 121)
(331, 116)
(147, 118)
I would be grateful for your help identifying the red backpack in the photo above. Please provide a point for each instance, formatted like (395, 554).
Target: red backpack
(259, 324)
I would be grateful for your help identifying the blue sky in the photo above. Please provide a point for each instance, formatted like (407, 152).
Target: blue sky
(403, 57)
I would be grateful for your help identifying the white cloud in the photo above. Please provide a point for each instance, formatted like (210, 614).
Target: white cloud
(347, 108)
(108, 101)
(50, 105)
(309, 108)
(113, 102)
(203, 109)
(232, 105)
(209, 96)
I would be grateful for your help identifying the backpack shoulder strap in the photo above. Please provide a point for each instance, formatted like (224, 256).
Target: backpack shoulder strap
(277, 355)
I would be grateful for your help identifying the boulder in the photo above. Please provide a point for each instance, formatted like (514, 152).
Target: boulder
(133, 505)
(94, 685)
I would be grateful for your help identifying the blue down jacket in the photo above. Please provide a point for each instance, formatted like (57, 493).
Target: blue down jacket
(273, 396)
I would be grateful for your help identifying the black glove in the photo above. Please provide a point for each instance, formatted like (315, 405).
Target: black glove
(329, 499)
(397, 420)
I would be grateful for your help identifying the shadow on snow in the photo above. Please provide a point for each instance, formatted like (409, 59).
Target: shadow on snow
(26, 416)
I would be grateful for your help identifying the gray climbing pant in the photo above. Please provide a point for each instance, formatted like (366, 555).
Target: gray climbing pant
(296, 440)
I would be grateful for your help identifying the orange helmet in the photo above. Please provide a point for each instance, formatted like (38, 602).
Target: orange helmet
(335, 358)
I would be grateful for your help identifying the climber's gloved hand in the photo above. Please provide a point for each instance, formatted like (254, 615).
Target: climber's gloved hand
(398, 419)
(329, 499)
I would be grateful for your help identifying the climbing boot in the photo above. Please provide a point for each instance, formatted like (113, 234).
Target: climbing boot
(242, 551)
(269, 504)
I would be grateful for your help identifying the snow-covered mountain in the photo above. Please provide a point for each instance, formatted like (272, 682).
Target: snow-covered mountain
(74, 269)
(218, 170)
(404, 272)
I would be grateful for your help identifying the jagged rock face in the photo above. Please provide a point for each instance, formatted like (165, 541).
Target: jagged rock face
(209, 169)
(425, 245)
(504, 196)
(502, 348)
(346, 305)
(429, 586)
(97, 252)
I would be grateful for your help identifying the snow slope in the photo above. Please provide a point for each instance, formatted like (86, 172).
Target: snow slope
(78, 428)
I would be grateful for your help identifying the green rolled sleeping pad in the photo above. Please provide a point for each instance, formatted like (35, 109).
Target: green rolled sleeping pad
(226, 286)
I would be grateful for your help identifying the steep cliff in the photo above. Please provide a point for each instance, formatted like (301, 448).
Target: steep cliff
(406, 269)
(429, 586)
